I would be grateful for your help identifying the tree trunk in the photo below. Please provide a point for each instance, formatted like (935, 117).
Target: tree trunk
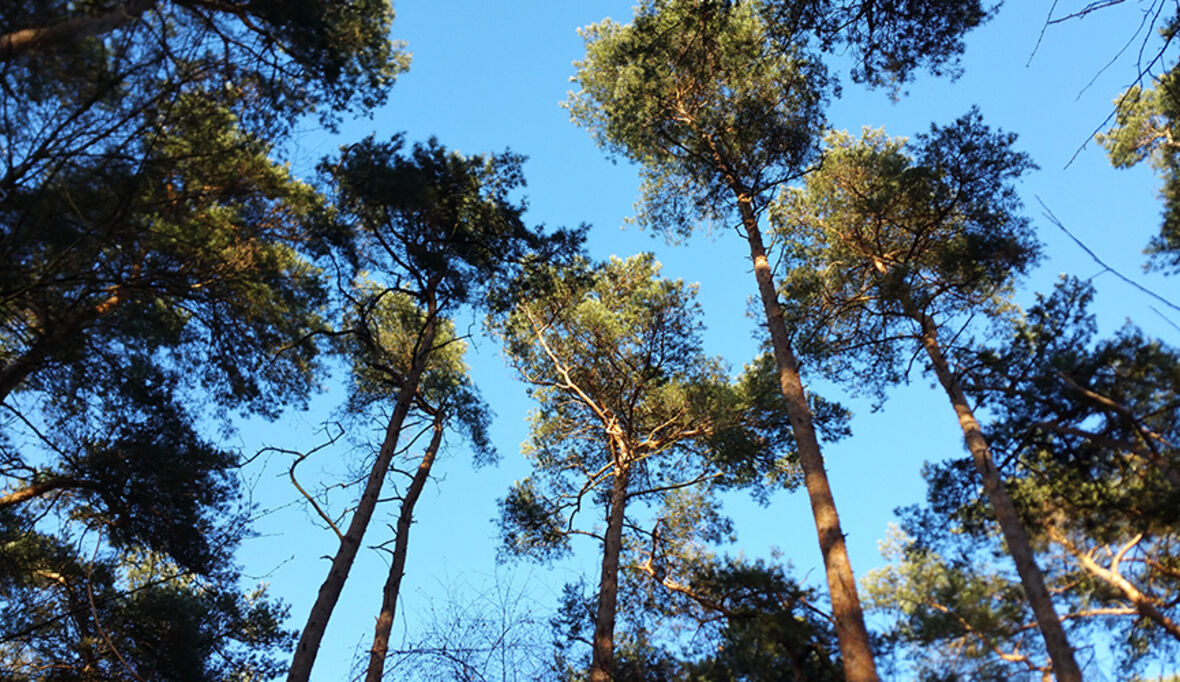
(850, 624)
(602, 663)
(1015, 536)
(321, 611)
(398, 568)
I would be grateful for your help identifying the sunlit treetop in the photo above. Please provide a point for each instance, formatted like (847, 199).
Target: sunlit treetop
(385, 333)
(1146, 126)
(703, 98)
(887, 229)
(718, 100)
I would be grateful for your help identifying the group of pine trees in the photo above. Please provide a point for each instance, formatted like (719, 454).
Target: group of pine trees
(162, 273)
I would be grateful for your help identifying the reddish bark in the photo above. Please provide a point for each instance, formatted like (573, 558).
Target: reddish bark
(602, 662)
(851, 632)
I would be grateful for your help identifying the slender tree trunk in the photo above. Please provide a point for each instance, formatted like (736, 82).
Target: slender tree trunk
(321, 611)
(1015, 536)
(398, 568)
(602, 662)
(850, 624)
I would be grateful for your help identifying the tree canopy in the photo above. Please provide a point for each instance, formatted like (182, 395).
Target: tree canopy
(155, 281)
(177, 279)
(632, 417)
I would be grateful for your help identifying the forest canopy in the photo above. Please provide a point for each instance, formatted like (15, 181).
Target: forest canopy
(314, 365)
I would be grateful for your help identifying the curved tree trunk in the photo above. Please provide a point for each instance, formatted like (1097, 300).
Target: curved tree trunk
(398, 568)
(1015, 536)
(602, 663)
(850, 624)
(321, 611)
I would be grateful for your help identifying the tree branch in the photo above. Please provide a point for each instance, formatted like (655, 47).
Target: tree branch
(72, 30)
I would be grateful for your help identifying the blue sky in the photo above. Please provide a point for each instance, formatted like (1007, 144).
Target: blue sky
(490, 75)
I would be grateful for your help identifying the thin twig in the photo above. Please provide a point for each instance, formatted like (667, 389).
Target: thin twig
(1053, 219)
(1041, 36)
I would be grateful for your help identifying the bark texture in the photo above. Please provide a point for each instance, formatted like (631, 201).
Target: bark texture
(397, 569)
(603, 660)
(851, 632)
(329, 594)
(1065, 667)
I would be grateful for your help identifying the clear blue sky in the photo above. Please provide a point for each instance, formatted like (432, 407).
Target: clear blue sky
(488, 76)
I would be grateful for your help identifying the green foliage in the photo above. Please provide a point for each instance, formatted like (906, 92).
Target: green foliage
(130, 290)
(760, 446)
(189, 253)
(639, 656)
(717, 100)
(886, 230)
(529, 527)
(345, 46)
(727, 620)
(419, 233)
(707, 101)
(135, 293)
(954, 615)
(618, 347)
(139, 204)
(385, 334)
(432, 218)
(612, 355)
(74, 618)
(1145, 129)
(1095, 423)
(758, 624)
(153, 274)
(1086, 428)
(610, 350)
(1093, 426)
(413, 237)
(888, 40)
(291, 57)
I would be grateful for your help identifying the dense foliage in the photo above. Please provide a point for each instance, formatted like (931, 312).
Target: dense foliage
(154, 281)
(163, 272)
